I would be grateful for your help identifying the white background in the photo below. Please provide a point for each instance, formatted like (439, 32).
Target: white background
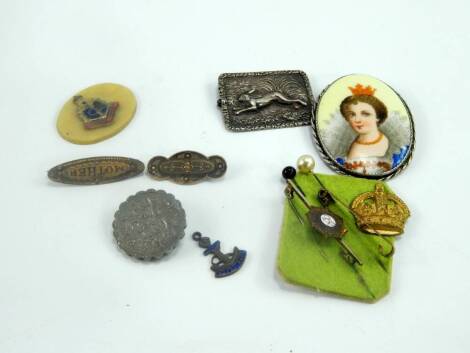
(64, 285)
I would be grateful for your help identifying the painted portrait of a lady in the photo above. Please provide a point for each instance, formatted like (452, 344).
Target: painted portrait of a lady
(364, 136)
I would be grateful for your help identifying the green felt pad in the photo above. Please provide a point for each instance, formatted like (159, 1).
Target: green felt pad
(308, 259)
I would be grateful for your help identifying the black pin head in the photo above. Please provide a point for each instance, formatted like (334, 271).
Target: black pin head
(289, 172)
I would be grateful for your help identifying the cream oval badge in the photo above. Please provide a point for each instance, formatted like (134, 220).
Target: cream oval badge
(96, 113)
(364, 128)
(96, 170)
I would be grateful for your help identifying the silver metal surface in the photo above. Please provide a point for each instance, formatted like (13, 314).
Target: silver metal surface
(149, 224)
(265, 100)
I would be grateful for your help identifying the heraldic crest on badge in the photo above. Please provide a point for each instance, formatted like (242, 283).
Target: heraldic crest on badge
(95, 112)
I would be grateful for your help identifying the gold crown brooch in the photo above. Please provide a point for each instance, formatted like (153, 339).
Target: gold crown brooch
(380, 212)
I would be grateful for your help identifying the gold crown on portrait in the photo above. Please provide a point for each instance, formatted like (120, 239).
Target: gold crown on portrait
(360, 90)
(380, 212)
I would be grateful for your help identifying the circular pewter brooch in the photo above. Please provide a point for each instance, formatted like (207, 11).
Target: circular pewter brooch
(149, 224)
(363, 128)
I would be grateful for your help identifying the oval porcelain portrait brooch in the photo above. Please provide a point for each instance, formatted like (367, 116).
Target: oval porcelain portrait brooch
(363, 128)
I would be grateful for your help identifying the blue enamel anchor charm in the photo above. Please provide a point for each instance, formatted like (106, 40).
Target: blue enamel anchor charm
(222, 264)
